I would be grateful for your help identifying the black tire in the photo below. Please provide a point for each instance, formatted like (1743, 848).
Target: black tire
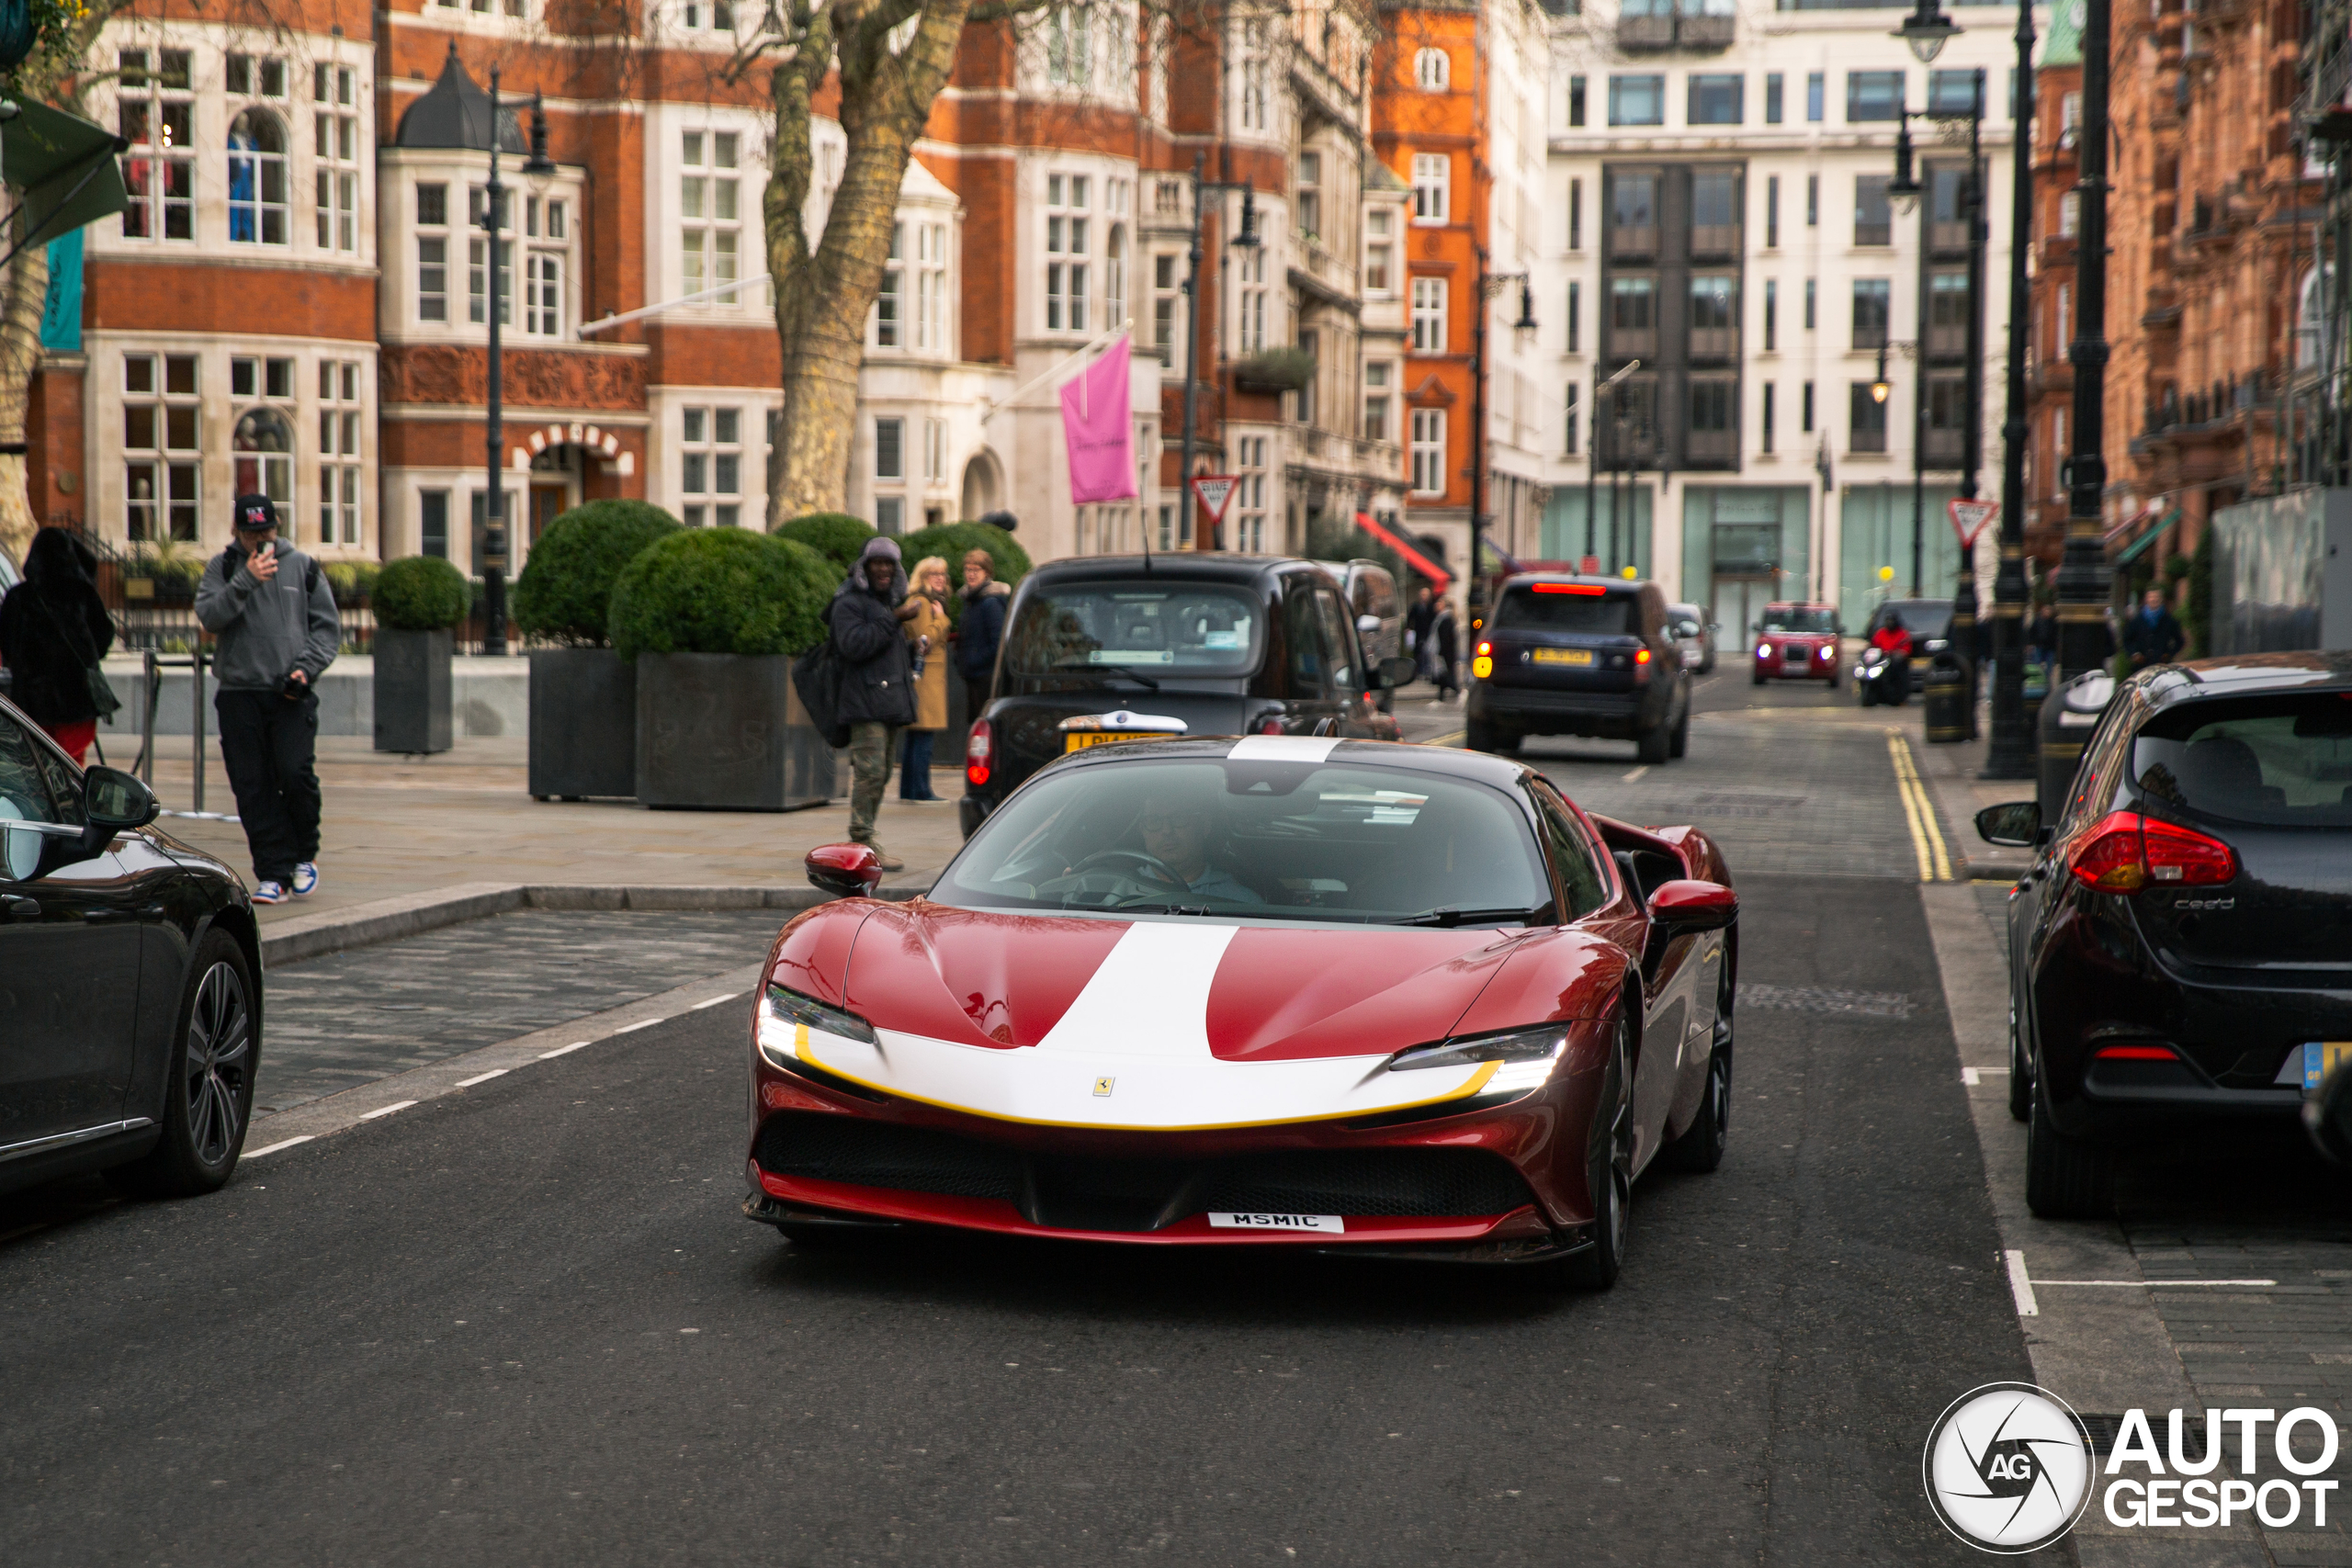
(2020, 1074)
(2066, 1179)
(1700, 1149)
(1610, 1167)
(1866, 694)
(1833, 680)
(1759, 677)
(209, 1090)
(1479, 736)
(1653, 743)
(1680, 745)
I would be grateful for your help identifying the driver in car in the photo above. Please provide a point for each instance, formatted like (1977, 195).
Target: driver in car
(1176, 834)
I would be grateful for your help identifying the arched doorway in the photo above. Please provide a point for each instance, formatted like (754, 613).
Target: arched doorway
(983, 484)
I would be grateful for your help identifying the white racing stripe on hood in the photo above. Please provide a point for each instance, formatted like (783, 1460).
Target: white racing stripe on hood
(1150, 997)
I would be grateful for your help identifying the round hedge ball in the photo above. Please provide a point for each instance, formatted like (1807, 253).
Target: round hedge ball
(565, 595)
(836, 536)
(420, 594)
(722, 591)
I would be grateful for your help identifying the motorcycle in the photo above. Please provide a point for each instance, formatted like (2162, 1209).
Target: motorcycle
(1882, 677)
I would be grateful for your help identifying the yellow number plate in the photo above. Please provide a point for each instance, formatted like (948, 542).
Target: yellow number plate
(1563, 656)
(1079, 739)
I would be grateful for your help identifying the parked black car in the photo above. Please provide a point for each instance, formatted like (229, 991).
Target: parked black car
(130, 1000)
(1929, 622)
(1568, 655)
(1193, 644)
(2181, 950)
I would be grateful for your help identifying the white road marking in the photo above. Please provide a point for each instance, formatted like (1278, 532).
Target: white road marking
(388, 1110)
(635, 1027)
(1637, 773)
(715, 1001)
(2020, 1287)
(563, 1049)
(2157, 1285)
(281, 1144)
(483, 1077)
(1971, 1076)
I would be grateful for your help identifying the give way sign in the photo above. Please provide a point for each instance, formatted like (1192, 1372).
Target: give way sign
(1216, 492)
(1969, 518)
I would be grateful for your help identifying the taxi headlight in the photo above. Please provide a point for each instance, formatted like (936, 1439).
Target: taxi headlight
(782, 1012)
(1527, 1056)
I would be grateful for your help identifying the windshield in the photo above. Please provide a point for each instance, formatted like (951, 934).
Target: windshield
(1568, 607)
(1177, 628)
(1923, 618)
(1283, 841)
(1792, 619)
(2273, 761)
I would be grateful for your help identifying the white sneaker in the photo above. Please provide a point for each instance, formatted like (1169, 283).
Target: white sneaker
(306, 879)
(269, 893)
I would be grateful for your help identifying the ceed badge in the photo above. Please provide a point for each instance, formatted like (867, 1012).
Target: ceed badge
(1332, 1224)
(1102, 1088)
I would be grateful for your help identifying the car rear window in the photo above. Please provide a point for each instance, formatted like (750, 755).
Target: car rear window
(1568, 607)
(1789, 618)
(1161, 628)
(2282, 761)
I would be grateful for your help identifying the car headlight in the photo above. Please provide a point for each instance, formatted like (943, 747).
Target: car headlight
(1527, 1057)
(1763, 650)
(784, 1012)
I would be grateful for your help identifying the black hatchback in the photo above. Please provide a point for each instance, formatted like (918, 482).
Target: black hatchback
(2181, 950)
(1121, 647)
(1566, 655)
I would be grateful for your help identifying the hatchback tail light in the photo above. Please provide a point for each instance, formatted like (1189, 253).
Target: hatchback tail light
(976, 751)
(2135, 1053)
(2127, 851)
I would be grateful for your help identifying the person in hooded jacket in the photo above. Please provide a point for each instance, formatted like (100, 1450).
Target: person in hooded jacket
(878, 686)
(982, 630)
(53, 630)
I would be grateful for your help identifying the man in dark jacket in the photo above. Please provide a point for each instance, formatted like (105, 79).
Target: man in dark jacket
(981, 630)
(1420, 621)
(273, 614)
(2152, 635)
(877, 685)
(1447, 652)
(54, 631)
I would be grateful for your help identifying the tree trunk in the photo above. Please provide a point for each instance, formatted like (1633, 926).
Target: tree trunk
(822, 300)
(21, 299)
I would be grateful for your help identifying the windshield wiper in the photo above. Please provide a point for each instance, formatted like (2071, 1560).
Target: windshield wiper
(1146, 682)
(1158, 908)
(1449, 916)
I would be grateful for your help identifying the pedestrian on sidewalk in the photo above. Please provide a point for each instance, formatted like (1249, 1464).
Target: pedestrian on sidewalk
(982, 630)
(273, 612)
(54, 630)
(2152, 635)
(926, 632)
(878, 697)
(1418, 620)
(1445, 652)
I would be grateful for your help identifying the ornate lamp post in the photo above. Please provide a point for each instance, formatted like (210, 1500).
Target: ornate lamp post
(1246, 240)
(537, 166)
(2010, 755)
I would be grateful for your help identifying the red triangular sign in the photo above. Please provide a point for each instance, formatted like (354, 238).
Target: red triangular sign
(1969, 518)
(1216, 490)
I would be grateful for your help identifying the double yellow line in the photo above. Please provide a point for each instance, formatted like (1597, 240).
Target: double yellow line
(1927, 838)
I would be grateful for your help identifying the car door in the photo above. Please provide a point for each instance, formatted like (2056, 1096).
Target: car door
(1311, 697)
(69, 955)
(2049, 886)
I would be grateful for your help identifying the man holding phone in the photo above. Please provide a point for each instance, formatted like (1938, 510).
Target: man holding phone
(273, 612)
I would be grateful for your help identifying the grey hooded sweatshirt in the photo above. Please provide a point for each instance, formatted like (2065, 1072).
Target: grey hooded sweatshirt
(267, 630)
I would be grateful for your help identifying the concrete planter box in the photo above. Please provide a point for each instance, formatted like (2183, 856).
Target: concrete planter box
(584, 723)
(413, 691)
(725, 732)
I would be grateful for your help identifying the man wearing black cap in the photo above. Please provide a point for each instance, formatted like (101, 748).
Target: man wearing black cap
(273, 612)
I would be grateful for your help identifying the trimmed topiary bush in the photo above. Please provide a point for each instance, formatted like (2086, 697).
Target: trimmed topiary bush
(565, 595)
(722, 591)
(836, 536)
(420, 594)
(950, 540)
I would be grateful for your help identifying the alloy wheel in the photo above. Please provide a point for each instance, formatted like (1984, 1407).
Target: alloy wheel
(218, 1063)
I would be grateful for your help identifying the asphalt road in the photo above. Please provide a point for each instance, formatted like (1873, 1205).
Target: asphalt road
(527, 1323)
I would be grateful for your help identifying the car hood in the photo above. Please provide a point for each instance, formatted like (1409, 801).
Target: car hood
(1161, 1022)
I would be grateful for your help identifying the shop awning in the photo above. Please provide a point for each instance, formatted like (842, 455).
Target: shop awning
(1439, 577)
(63, 169)
(2139, 547)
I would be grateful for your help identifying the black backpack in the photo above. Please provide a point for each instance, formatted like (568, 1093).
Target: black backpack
(817, 676)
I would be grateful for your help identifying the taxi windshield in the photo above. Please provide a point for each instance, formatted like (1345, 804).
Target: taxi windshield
(1797, 618)
(1157, 628)
(1273, 840)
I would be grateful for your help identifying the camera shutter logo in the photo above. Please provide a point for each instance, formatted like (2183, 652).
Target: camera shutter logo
(2009, 1468)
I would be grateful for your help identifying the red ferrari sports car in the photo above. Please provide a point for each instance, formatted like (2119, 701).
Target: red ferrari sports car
(1275, 990)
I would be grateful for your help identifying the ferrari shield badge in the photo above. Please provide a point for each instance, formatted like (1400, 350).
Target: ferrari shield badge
(1102, 1088)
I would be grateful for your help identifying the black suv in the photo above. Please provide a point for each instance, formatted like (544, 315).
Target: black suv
(1568, 655)
(1114, 647)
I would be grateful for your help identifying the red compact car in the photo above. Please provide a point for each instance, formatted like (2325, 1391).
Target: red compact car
(1270, 991)
(1797, 642)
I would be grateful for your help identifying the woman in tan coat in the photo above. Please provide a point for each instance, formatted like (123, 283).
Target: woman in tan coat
(926, 631)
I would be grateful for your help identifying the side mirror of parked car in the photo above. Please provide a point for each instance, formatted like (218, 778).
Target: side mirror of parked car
(116, 800)
(2328, 1115)
(1367, 626)
(846, 870)
(2016, 824)
(1688, 905)
(1398, 672)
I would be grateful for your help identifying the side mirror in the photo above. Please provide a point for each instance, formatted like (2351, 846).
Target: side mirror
(1686, 906)
(2016, 824)
(1367, 626)
(2328, 1115)
(1398, 672)
(846, 870)
(118, 801)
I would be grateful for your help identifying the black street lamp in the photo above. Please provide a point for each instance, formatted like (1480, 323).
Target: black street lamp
(1246, 240)
(1592, 458)
(2010, 755)
(537, 165)
(1490, 285)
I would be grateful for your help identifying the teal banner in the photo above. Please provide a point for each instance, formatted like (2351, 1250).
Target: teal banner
(61, 312)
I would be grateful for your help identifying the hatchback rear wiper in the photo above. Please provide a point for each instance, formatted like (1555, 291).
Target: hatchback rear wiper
(1449, 916)
(1146, 682)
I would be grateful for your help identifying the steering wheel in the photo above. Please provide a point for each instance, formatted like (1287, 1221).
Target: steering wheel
(1162, 871)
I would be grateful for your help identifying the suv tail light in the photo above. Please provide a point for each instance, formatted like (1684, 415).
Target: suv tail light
(2127, 851)
(976, 751)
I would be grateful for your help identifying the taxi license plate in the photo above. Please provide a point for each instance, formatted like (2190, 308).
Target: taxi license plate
(1079, 739)
(1563, 656)
(2321, 1057)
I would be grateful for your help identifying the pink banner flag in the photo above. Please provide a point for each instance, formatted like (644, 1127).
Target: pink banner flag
(1097, 427)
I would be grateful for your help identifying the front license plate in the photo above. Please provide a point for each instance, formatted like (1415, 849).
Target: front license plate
(1079, 739)
(1329, 1224)
(1580, 656)
(2321, 1057)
